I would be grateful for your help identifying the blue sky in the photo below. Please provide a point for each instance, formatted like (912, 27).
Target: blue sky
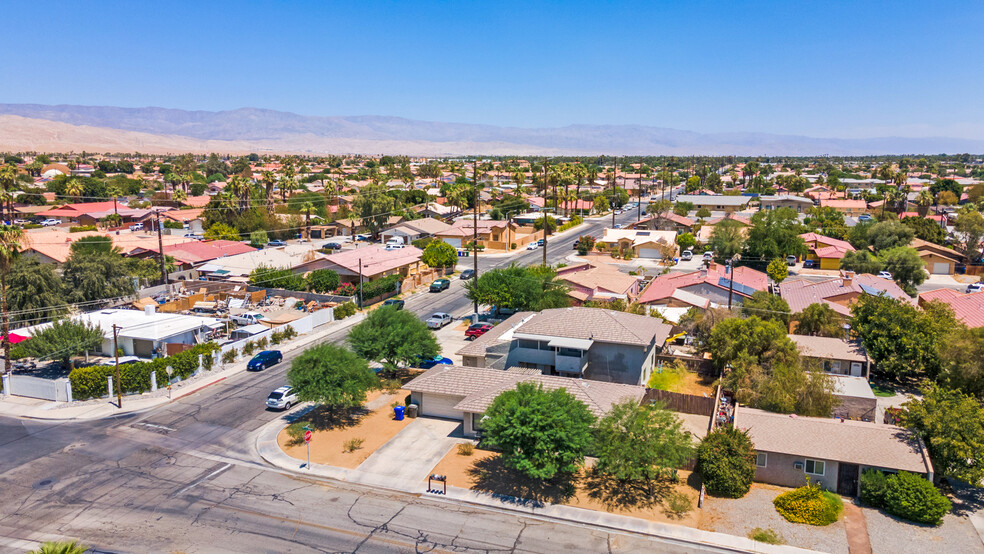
(835, 69)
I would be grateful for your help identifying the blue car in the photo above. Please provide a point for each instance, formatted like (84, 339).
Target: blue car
(427, 363)
(274, 243)
(265, 359)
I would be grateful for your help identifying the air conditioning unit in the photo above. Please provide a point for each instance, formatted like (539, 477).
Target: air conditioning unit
(798, 465)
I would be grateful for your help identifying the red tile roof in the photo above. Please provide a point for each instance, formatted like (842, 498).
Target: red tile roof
(800, 293)
(663, 286)
(196, 252)
(968, 308)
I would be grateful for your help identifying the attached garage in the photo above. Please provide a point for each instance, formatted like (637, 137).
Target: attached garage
(650, 253)
(942, 268)
(438, 405)
(455, 242)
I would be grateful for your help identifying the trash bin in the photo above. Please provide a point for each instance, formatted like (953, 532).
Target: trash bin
(398, 412)
(412, 411)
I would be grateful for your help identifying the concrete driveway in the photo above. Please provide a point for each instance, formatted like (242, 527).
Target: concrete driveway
(414, 451)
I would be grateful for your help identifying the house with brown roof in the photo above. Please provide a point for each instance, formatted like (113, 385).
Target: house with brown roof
(374, 262)
(602, 283)
(465, 393)
(838, 293)
(939, 260)
(493, 235)
(798, 203)
(968, 308)
(704, 288)
(831, 452)
(826, 252)
(834, 355)
(642, 243)
(851, 208)
(409, 231)
(665, 222)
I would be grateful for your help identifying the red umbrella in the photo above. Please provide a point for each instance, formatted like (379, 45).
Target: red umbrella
(14, 338)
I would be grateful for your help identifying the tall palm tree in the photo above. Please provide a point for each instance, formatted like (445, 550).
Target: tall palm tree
(268, 180)
(74, 188)
(8, 178)
(307, 208)
(923, 202)
(10, 242)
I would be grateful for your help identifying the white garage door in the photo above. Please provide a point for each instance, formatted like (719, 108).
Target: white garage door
(649, 253)
(453, 242)
(941, 268)
(440, 405)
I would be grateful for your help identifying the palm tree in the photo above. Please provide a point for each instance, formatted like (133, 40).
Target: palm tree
(268, 180)
(179, 196)
(306, 208)
(61, 547)
(923, 202)
(8, 178)
(74, 188)
(10, 242)
(116, 191)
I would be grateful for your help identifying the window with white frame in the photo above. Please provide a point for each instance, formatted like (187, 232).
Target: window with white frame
(761, 459)
(814, 467)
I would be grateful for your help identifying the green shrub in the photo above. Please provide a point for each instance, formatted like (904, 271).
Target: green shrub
(809, 504)
(90, 382)
(352, 445)
(288, 332)
(344, 310)
(768, 536)
(379, 287)
(726, 462)
(678, 504)
(249, 347)
(262, 343)
(229, 356)
(296, 433)
(910, 496)
(276, 337)
(873, 486)
(169, 224)
(81, 228)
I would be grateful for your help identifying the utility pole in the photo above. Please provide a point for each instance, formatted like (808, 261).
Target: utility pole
(614, 179)
(160, 249)
(731, 278)
(546, 162)
(360, 283)
(475, 228)
(116, 355)
(639, 198)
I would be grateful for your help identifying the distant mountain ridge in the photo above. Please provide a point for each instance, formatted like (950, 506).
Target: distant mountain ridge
(270, 130)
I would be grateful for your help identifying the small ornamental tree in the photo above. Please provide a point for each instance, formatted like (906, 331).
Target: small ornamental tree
(778, 270)
(394, 337)
(641, 443)
(440, 254)
(726, 462)
(322, 280)
(686, 241)
(331, 375)
(61, 341)
(541, 433)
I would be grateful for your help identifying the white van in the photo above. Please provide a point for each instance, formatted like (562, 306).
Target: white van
(247, 318)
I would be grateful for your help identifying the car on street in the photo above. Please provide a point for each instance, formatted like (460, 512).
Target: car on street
(136, 227)
(282, 398)
(427, 363)
(864, 217)
(975, 287)
(363, 237)
(532, 246)
(438, 320)
(275, 243)
(618, 212)
(331, 246)
(708, 255)
(885, 275)
(265, 359)
(540, 242)
(439, 285)
(618, 225)
(467, 274)
(394, 302)
(687, 255)
(476, 330)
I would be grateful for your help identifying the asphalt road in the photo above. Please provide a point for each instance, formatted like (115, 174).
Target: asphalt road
(185, 477)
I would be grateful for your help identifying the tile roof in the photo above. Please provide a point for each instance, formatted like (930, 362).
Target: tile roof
(597, 324)
(602, 277)
(497, 335)
(828, 348)
(466, 227)
(855, 442)
(664, 286)
(183, 216)
(196, 252)
(968, 308)
(800, 293)
(716, 199)
(83, 208)
(639, 236)
(840, 203)
(375, 259)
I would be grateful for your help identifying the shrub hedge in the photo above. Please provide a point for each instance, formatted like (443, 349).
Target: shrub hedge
(809, 504)
(906, 495)
(873, 485)
(344, 310)
(379, 287)
(90, 382)
(726, 462)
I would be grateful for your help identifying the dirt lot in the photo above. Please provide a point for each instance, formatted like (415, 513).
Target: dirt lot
(375, 427)
(482, 471)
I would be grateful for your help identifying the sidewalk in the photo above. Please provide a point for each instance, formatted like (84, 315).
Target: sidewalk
(19, 406)
(269, 450)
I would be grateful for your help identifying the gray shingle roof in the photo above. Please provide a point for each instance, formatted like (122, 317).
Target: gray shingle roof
(597, 324)
(828, 348)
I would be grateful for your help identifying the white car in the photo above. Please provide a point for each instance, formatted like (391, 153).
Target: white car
(21, 222)
(247, 318)
(136, 227)
(532, 246)
(687, 255)
(51, 222)
(282, 398)
(394, 246)
(975, 287)
(439, 320)
(885, 275)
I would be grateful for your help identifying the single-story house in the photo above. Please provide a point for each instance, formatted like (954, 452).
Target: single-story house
(90, 213)
(666, 222)
(968, 308)
(852, 208)
(838, 293)
(494, 235)
(599, 283)
(716, 202)
(835, 355)
(374, 262)
(299, 258)
(704, 234)
(409, 231)
(939, 260)
(855, 399)
(191, 218)
(799, 203)
(642, 243)
(465, 393)
(831, 452)
(706, 287)
(826, 252)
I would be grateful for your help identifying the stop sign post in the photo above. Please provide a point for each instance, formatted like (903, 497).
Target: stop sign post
(307, 436)
(307, 441)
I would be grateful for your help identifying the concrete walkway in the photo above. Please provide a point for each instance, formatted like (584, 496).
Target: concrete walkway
(412, 454)
(857, 529)
(269, 450)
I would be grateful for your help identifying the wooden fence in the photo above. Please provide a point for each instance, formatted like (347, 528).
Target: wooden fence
(679, 402)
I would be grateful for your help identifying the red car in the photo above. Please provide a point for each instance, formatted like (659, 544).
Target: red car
(477, 329)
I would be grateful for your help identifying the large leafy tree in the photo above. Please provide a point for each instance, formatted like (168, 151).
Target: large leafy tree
(726, 462)
(767, 306)
(541, 433)
(970, 228)
(34, 290)
(641, 443)
(331, 375)
(727, 238)
(926, 229)
(61, 341)
(374, 205)
(906, 267)
(900, 338)
(93, 276)
(775, 234)
(757, 339)
(394, 337)
(963, 361)
(221, 231)
(952, 424)
(886, 235)
(522, 288)
(819, 320)
(861, 261)
(439, 254)
(322, 280)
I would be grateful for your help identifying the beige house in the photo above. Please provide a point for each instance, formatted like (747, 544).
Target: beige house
(835, 355)
(642, 243)
(799, 203)
(493, 235)
(939, 260)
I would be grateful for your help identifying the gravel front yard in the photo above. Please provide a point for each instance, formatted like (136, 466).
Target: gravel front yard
(739, 516)
(889, 534)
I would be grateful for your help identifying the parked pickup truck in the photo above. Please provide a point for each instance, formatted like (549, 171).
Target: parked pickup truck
(247, 318)
(439, 320)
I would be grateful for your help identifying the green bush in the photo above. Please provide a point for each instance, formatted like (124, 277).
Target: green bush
(296, 433)
(248, 348)
(379, 287)
(262, 343)
(344, 310)
(768, 536)
(809, 504)
(229, 356)
(276, 337)
(910, 496)
(873, 486)
(170, 224)
(81, 228)
(726, 462)
(90, 382)
(574, 222)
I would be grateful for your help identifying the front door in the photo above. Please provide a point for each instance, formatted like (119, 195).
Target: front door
(847, 479)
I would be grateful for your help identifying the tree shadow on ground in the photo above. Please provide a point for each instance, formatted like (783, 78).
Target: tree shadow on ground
(616, 494)
(967, 499)
(326, 418)
(492, 476)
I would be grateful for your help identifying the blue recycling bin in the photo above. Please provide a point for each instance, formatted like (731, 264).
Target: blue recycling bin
(398, 412)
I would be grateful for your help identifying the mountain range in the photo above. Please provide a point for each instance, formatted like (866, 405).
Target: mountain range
(35, 127)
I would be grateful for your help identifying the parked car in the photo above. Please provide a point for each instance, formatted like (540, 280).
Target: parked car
(532, 246)
(810, 264)
(123, 360)
(540, 242)
(618, 225)
(394, 302)
(394, 246)
(363, 237)
(975, 287)
(275, 243)
(265, 359)
(395, 241)
(21, 222)
(247, 318)
(136, 227)
(427, 363)
(687, 255)
(864, 217)
(331, 246)
(791, 260)
(282, 398)
(439, 320)
(467, 274)
(194, 236)
(476, 330)
(885, 275)
(439, 285)
(708, 255)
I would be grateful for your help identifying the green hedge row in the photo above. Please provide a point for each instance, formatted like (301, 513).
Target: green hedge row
(379, 287)
(90, 382)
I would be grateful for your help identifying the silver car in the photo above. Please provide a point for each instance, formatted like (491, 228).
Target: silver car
(439, 320)
(282, 398)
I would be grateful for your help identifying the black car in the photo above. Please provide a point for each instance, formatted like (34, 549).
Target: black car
(467, 274)
(394, 302)
(331, 246)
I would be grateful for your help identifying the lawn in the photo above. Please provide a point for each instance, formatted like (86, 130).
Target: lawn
(675, 378)
(883, 391)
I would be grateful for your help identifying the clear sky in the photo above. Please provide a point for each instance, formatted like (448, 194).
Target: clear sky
(819, 68)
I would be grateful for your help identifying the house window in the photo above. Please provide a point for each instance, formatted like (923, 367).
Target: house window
(835, 367)
(814, 467)
(531, 344)
(761, 459)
